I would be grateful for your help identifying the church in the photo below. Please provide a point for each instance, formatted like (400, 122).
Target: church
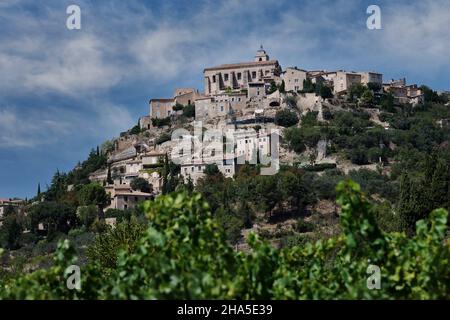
(242, 76)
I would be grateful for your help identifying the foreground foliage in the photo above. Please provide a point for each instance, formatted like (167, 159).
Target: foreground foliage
(184, 254)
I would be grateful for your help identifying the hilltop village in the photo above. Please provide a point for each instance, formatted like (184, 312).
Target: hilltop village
(244, 97)
(265, 147)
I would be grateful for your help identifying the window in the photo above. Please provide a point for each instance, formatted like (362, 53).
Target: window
(199, 168)
(239, 76)
(214, 79)
(125, 207)
(253, 74)
(225, 76)
(136, 199)
(192, 169)
(221, 108)
(213, 153)
(125, 199)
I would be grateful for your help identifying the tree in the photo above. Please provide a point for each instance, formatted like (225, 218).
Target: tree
(273, 87)
(212, 169)
(109, 179)
(308, 86)
(286, 118)
(387, 102)
(135, 130)
(367, 97)
(94, 194)
(58, 187)
(189, 111)
(108, 245)
(141, 184)
(54, 216)
(87, 215)
(39, 191)
(184, 251)
(374, 86)
(10, 232)
(326, 92)
(355, 91)
(282, 87)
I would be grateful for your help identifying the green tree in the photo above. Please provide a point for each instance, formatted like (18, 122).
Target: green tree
(87, 215)
(10, 232)
(189, 111)
(326, 92)
(367, 97)
(94, 194)
(142, 185)
(108, 245)
(286, 118)
(54, 216)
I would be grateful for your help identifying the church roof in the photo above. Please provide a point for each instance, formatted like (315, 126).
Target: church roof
(243, 65)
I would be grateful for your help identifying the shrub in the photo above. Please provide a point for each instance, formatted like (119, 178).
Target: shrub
(286, 118)
(135, 130)
(87, 215)
(303, 226)
(183, 254)
(156, 122)
(107, 245)
(189, 111)
(163, 138)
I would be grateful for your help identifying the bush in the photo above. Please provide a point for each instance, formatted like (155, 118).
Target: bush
(183, 254)
(310, 119)
(303, 226)
(156, 122)
(189, 111)
(141, 184)
(319, 167)
(286, 118)
(177, 107)
(87, 215)
(163, 138)
(135, 130)
(107, 245)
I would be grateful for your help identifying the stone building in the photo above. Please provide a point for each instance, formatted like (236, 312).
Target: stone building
(293, 79)
(123, 197)
(371, 77)
(161, 108)
(238, 76)
(404, 93)
(220, 105)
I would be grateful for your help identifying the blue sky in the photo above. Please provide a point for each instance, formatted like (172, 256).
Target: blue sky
(63, 92)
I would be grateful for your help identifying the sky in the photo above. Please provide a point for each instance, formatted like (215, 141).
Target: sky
(63, 92)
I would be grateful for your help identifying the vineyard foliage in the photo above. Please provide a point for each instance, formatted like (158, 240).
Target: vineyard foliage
(184, 254)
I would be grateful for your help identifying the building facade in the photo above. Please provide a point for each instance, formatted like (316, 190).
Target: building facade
(238, 76)
(293, 79)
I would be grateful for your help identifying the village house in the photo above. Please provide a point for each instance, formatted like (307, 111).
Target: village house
(404, 93)
(161, 108)
(195, 169)
(220, 105)
(293, 79)
(123, 197)
(371, 77)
